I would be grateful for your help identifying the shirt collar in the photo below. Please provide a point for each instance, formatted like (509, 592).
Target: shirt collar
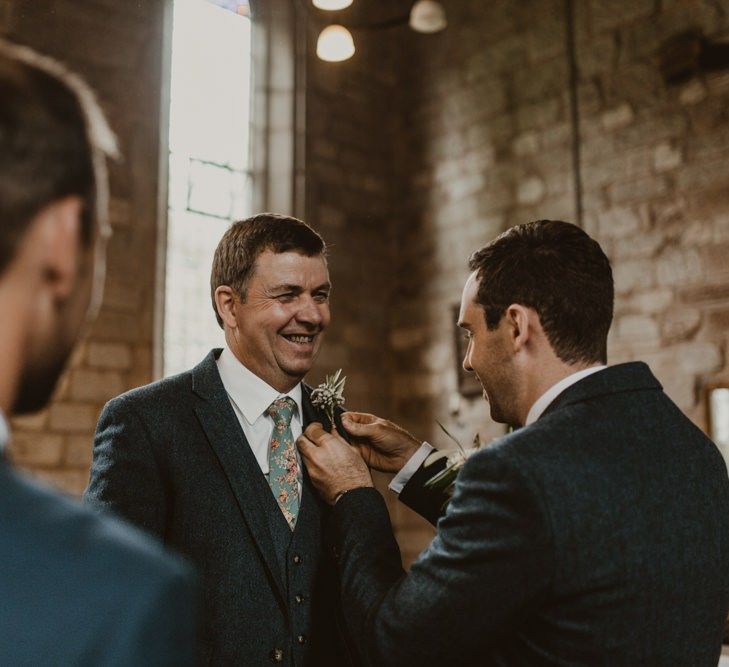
(4, 432)
(542, 403)
(249, 392)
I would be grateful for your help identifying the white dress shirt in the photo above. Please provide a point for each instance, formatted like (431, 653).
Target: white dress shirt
(250, 397)
(4, 432)
(535, 412)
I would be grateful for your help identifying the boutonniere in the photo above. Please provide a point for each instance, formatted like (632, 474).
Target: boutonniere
(329, 395)
(445, 480)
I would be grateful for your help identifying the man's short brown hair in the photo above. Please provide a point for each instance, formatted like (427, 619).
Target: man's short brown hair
(54, 141)
(558, 270)
(236, 254)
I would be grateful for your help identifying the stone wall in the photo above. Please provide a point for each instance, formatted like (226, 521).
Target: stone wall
(490, 112)
(118, 48)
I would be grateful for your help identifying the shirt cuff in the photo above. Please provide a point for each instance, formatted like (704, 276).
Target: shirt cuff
(409, 469)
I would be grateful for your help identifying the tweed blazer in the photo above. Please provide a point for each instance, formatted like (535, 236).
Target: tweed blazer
(599, 535)
(79, 589)
(172, 458)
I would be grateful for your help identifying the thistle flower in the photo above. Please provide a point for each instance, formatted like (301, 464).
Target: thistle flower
(329, 395)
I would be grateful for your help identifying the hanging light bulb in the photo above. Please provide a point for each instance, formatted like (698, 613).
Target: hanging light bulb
(332, 5)
(428, 16)
(335, 44)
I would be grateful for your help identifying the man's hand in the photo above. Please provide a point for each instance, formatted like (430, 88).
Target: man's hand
(334, 466)
(383, 445)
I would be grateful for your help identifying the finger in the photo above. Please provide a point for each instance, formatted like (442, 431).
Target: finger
(314, 431)
(306, 447)
(318, 436)
(359, 417)
(361, 429)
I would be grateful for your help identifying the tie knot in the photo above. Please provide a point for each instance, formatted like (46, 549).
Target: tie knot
(282, 410)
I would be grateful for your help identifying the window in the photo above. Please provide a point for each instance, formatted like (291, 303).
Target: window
(209, 173)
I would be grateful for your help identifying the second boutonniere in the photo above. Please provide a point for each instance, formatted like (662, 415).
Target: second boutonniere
(445, 480)
(329, 395)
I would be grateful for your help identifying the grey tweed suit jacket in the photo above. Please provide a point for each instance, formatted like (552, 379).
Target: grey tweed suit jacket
(598, 535)
(172, 458)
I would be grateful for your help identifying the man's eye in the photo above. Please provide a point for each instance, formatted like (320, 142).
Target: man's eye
(288, 296)
(322, 297)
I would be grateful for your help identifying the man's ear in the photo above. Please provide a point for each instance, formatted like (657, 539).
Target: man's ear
(519, 322)
(57, 237)
(225, 300)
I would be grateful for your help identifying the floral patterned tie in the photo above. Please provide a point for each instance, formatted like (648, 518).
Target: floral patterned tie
(283, 467)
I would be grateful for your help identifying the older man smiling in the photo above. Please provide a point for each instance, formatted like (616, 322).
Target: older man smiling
(206, 460)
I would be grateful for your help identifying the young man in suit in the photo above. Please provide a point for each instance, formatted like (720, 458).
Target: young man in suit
(207, 460)
(596, 533)
(75, 589)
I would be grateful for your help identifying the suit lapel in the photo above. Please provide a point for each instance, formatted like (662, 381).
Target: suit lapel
(227, 440)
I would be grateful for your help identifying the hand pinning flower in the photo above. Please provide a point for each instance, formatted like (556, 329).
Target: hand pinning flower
(329, 395)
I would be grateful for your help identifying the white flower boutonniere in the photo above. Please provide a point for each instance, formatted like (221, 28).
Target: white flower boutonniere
(329, 395)
(445, 480)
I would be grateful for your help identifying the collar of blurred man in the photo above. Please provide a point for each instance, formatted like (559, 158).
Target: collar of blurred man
(4, 432)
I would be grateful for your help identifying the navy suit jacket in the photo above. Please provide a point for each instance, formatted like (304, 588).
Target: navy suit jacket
(599, 535)
(172, 458)
(79, 589)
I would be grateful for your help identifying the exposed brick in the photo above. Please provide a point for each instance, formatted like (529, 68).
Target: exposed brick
(680, 324)
(531, 190)
(679, 267)
(693, 92)
(666, 157)
(620, 221)
(36, 449)
(77, 452)
(639, 328)
(116, 356)
(526, 143)
(34, 422)
(92, 385)
(617, 118)
(73, 417)
(634, 274)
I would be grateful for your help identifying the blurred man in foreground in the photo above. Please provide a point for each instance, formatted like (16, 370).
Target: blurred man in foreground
(75, 589)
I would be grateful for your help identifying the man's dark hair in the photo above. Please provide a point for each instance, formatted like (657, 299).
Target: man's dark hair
(53, 143)
(236, 254)
(558, 270)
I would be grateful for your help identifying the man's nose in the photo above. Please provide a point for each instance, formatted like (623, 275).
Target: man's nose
(467, 359)
(310, 312)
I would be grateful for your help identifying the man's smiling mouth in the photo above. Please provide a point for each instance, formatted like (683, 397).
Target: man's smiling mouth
(300, 338)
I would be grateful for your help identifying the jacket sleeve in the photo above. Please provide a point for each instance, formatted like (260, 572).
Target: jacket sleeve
(491, 557)
(429, 503)
(125, 477)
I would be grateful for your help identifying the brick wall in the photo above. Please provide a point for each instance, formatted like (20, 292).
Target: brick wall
(118, 48)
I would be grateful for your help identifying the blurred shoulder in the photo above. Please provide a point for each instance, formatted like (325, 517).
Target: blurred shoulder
(45, 529)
